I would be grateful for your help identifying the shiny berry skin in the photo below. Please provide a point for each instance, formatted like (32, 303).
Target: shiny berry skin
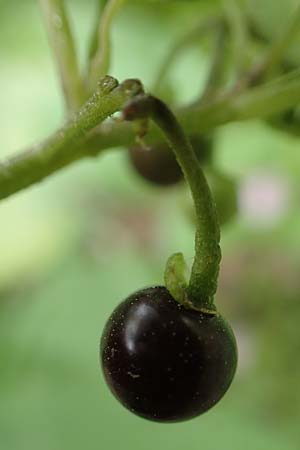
(156, 164)
(165, 362)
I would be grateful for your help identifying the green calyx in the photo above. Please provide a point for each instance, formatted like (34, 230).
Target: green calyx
(176, 279)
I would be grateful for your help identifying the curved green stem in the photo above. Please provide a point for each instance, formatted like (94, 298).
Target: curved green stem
(100, 62)
(62, 43)
(63, 147)
(203, 281)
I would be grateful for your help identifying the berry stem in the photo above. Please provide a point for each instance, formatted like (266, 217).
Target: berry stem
(203, 281)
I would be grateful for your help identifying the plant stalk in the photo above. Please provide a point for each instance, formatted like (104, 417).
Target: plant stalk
(63, 147)
(204, 275)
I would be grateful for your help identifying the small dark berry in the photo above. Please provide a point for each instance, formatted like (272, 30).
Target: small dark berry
(156, 164)
(165, 362)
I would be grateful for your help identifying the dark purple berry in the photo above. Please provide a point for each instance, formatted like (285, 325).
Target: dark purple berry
(156, 164)
(165, 362)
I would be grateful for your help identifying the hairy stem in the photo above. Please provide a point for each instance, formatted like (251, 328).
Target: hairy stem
(62, 43)
(203, 281)
(63, 147)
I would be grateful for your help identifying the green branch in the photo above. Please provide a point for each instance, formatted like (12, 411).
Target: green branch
(62, 43)
(70, 144)
(258, 102)
(204, 275)
(63, 147)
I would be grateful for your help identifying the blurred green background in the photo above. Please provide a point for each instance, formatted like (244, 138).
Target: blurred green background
(77, 244)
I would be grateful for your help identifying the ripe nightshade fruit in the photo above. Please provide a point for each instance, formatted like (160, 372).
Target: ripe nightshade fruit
(157, 163)
(165, 362)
